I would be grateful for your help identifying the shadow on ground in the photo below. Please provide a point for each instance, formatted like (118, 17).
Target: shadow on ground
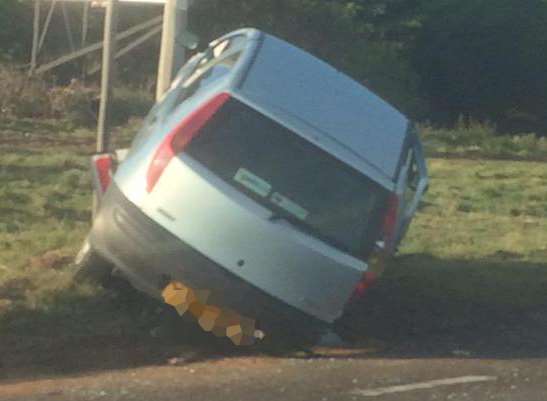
(424, 308)
(429, 307)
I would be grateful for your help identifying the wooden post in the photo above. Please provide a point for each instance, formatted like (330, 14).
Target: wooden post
(107, 78)
(35, 37)
(172, 53)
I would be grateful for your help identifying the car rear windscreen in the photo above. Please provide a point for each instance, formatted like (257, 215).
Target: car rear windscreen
(296, 180)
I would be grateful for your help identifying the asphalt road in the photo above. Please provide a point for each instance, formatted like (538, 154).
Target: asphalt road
(494, 361)
(406, 350)
(340, 374)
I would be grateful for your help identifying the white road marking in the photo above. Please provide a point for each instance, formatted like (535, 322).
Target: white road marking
(425, 385)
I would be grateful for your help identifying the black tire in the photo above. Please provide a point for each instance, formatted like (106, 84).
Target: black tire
(90, 266)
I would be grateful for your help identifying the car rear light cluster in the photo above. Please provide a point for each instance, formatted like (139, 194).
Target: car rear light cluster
(376, 260)
(177, 140)
(368, 280)
(102, 171)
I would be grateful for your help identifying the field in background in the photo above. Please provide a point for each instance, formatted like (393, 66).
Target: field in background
(471, 139)
(479, 241)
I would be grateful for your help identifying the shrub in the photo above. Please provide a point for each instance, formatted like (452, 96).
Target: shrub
(75, 102)
(485, 59)
(130, 102)
(21, 96)
(15, 35)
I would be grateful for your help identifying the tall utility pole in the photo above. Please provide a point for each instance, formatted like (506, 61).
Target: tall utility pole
(35, 34)
(109, 51)
(173, 52)
(85, 29)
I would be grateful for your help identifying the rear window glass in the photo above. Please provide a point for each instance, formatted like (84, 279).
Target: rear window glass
(290, 176)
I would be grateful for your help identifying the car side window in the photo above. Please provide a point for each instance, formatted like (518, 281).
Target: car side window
(215, 64)
(412, 178)
(207, 74)
(413, 175)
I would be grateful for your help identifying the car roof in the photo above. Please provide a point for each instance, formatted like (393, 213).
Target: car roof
(324, 105)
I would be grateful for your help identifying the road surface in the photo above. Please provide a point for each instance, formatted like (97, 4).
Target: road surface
(406, 348)
(329, 374)
(480, 356)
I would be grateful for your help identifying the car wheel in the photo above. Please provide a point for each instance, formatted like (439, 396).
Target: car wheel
(91, 266)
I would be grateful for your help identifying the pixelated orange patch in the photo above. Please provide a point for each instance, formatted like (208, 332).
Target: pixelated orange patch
(222, 322)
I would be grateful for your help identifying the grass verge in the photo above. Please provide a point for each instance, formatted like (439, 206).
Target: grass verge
(480, 239)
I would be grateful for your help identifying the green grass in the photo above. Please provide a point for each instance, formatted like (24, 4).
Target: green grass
(477, 209)
(45, 198)
(480, 236)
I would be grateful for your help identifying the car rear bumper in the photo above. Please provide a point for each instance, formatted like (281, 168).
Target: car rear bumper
(150, 257)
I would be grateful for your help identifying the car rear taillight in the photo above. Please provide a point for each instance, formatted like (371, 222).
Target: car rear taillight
(368, 279)
(376, 259)
(102, 171)
(175, 142)
(389, 224)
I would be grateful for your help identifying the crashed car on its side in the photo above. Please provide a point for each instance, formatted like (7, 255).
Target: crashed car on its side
(257, 190)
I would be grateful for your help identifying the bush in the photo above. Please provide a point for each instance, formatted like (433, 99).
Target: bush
(15, 34)
(485, 59)
(21, 96)
(129, 102)
(80, 104)
(76, 103)
(473, 138)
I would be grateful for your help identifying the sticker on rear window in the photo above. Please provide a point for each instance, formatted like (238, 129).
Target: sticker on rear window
(290, 206)
(253, 182)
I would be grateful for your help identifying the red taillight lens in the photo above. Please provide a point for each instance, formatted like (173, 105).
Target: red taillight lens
(175, 142)
(377, 258)
(103, 171)
(368, 280)
(390, 220)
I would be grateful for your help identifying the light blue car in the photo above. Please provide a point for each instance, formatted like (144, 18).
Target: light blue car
(266, 179)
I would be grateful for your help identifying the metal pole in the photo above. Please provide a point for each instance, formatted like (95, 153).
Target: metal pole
(172, 53)
(85, 28)
(46, 24)
(97, 46)
(35, 37)
(140, 40)
(85, 23)
(107, 78)
(68, 29)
